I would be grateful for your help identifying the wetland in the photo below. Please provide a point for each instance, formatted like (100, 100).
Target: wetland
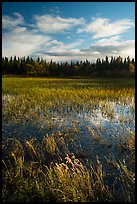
(68, 139)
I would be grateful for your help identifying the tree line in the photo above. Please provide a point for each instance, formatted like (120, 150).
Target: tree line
(27, 66)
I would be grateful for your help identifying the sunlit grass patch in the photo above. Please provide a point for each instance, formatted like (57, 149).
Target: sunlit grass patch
(66, 180)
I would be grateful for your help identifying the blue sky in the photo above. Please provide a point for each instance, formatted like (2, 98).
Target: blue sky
(68, 30)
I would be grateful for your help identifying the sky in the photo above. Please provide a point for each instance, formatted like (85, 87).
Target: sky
(65, 31)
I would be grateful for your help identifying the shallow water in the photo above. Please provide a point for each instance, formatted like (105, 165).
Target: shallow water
(93, 131)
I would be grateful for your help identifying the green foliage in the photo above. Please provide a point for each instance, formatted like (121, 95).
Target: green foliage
(131, 68)
(102, 68)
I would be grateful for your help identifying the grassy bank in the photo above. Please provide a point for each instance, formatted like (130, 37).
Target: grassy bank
(34, 171)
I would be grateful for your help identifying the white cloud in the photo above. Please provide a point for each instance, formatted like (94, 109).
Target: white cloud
(123, 48)
(10, 23)
(75, 44)
(102, 27)
(21, 42)
(53, 24)
(127, 48)
(18, 39)
(108, 41)
(112, 45)
(54, 42)
(62, 49)
(96, 50)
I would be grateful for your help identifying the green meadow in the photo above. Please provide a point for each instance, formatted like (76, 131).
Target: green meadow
(68, 139)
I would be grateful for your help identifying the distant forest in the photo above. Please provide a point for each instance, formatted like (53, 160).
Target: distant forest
(26, 66)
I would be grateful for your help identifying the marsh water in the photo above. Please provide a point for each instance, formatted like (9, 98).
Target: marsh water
(95, 131)
(87, 132)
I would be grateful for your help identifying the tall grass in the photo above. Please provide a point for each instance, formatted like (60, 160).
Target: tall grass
(28, 175)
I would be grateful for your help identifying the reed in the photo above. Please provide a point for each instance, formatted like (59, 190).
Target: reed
(68, 180)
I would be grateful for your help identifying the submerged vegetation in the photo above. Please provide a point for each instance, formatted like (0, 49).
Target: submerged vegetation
(68, 140)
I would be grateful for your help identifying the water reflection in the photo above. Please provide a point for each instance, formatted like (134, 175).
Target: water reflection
(105, 124)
